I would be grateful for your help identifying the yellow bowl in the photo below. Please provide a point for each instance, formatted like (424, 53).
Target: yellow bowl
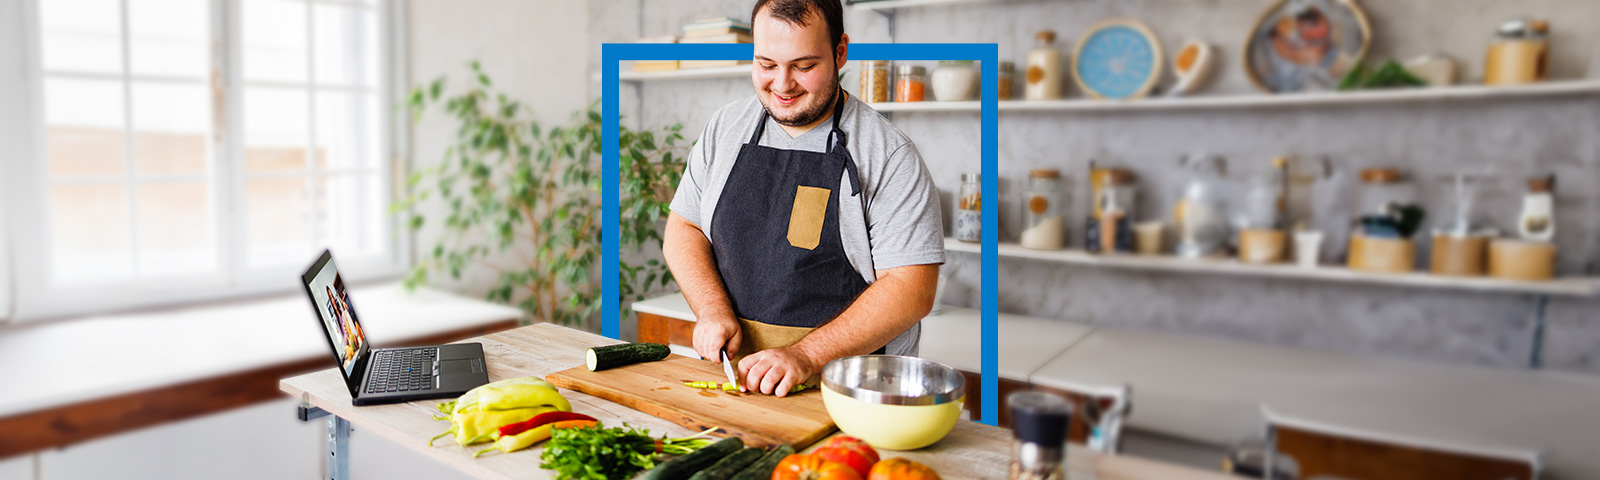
(893, 402)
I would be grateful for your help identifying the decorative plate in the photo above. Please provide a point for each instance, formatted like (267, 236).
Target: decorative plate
(1117, 59)
(1306, 45)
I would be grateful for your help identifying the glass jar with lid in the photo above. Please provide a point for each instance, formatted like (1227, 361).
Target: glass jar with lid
(1044, 68)
(1386, 215)
(1008, 76)
(874, 81)
(1519, 54)
(969, 209)
(1044, 211)
(955, 80)
(910, 83)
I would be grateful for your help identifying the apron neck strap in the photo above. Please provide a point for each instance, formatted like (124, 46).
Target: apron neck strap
(838, 110)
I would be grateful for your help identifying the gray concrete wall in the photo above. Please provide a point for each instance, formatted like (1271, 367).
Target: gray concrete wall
(1515, 137)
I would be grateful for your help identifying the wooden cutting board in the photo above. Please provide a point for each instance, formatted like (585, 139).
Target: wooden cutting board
(657, 388)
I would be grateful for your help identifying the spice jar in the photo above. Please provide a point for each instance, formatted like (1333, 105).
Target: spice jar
(1039, 422)
(910, 84)
(1044, 68)
(1044, 212)
(874, 81)
(1008, 75)
(1109, 227)
(1520, 53)
(955, 80)
(969, 207)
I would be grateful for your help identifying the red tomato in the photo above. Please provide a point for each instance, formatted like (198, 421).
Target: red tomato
(901, 469)
(802, 466)
(850, 451)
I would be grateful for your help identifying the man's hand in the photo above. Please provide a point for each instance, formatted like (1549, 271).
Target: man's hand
(775, 371)
(711, 334)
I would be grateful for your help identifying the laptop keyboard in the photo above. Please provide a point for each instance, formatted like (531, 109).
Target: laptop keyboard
(402, 370)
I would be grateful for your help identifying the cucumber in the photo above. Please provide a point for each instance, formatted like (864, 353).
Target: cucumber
(762, 468)
(682, 467)
(601, 358)
(729, 465)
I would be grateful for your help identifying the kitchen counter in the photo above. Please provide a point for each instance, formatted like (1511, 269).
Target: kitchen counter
(971, 451)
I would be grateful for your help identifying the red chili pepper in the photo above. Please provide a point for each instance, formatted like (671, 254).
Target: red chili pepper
(541, 419)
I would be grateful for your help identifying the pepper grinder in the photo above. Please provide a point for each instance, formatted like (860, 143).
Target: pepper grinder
(1039, 425)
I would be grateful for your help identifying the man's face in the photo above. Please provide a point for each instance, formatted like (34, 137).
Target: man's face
(796, 70)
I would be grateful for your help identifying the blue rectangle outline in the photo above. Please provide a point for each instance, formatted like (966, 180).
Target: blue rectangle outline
(987, 54)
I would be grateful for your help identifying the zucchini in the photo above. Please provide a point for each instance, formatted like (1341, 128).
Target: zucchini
(762, 468)
(682, 467)
(612, 356)
(729, 465)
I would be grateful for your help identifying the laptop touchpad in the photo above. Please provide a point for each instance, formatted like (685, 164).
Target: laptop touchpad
(449, 367)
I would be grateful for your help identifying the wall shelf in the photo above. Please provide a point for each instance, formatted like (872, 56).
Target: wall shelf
(1568, 287)
(1457, 93)
(686, 74)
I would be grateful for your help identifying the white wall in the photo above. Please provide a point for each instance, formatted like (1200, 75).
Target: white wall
(534, 50)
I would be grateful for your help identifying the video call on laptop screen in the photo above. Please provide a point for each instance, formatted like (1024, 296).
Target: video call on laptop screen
(338, 315)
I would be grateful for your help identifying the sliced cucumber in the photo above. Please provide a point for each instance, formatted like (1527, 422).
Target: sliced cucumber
(612, 356)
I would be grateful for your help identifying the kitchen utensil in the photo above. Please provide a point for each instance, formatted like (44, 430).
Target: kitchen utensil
(656, 388)
(1039, 422)
(727, 367)
(893, 402)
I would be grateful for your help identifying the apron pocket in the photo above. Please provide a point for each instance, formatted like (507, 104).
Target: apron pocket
(805, 220)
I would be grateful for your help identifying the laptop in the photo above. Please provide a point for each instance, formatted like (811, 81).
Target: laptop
(386, 375)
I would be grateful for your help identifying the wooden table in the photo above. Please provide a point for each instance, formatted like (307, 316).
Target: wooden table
(971, 451)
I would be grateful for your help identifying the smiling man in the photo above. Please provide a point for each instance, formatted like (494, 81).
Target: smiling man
(806, 227)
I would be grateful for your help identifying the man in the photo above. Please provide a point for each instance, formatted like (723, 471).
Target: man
(806, 227)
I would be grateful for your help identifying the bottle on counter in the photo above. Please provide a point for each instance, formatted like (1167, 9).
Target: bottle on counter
(969, 209)
(1537, 222)
(1044, 212)
(1039, 422)
(955, 80)
(1044, 68)
(911, 84)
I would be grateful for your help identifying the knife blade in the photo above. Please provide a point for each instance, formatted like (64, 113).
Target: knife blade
(727, 367)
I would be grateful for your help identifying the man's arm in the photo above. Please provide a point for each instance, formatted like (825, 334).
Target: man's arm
(898, 299)
(688, 254)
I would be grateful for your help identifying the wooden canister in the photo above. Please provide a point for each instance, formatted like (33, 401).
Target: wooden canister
(1522, 260)
(1459, 255)
(1262, 245)
(1373, 254)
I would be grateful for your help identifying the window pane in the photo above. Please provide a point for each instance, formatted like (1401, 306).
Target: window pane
(278, 220)
(81, 35)
(169, 37)
(275, 129)
(347, 130)
(170, 125)
(176, 231)
(351, 219)
(84, 123)
(347, 49)
(274, 40)
(89, 233)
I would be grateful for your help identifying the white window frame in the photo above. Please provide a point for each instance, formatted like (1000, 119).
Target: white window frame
(27, 181)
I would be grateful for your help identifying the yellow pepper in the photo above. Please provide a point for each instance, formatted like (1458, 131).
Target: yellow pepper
(537, 434)
(507, 397)
(474, 425)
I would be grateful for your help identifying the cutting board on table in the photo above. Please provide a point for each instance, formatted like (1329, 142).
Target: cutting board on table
(657, 388)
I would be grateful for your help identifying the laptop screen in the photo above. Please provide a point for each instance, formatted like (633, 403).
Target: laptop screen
(332, 302)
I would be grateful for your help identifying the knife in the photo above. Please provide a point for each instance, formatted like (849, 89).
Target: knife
(727, 367)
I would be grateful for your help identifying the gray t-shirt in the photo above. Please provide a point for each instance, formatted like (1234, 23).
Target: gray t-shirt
(894, 222)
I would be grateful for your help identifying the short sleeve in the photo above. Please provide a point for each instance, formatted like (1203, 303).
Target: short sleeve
(691, 188)
(903, 213)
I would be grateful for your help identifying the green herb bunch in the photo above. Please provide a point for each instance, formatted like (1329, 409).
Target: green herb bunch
(597, 453)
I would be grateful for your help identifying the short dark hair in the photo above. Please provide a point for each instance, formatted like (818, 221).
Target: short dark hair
(795, 12)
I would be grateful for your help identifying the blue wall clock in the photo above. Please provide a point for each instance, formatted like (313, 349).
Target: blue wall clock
(1117, 59)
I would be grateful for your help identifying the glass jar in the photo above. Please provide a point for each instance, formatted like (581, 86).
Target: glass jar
(1109, 227)
(1044, 68)
(1519, 54)
(1198, 217)
(969, 208)
(1386, 204)
(1039, 423)
(910, 83)
(1044, 212)
(874, 81)
(955, 80)
(1008, 76)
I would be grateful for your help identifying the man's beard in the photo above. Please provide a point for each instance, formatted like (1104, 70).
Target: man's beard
(809, 114)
